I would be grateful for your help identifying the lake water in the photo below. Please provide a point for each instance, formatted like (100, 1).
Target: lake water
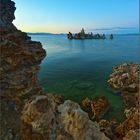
(81, 68)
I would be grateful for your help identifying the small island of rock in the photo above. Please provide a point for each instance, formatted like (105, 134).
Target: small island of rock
(83, 35)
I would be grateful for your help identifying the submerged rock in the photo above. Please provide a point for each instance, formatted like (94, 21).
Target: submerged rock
(84, 85)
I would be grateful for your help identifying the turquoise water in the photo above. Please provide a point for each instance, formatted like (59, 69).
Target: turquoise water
(81, 68)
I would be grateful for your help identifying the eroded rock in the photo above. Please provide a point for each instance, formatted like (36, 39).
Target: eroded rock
(96, 107)
(132, 135)
(46, 118)
(125, 77)
(108, 128)
(130, 123)
(39, 117)
(77, 123)
(19, 61)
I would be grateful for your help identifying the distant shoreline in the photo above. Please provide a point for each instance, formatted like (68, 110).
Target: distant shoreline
(38, 33)
(44, 33)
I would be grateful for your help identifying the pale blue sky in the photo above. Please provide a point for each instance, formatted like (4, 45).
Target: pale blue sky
(61, 16)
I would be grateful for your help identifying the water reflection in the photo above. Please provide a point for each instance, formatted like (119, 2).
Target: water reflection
(77, 45)
(82, 43)
(70, 45)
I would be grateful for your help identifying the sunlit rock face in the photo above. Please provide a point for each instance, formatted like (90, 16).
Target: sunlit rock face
(40, 119)
(46, 117)
(77, 123)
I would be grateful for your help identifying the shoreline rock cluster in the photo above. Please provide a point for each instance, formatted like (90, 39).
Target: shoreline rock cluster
(27, 113)
(125, 78)
(51, 119)
(82, 35)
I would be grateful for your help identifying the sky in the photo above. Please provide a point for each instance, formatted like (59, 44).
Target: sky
(62, 16)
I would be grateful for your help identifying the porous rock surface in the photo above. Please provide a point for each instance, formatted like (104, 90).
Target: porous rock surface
(77, 123)
(47, 118)
(19, 60)
(96, 107)
(125, 78)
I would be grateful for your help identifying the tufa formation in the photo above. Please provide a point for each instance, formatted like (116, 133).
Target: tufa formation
(27, 113)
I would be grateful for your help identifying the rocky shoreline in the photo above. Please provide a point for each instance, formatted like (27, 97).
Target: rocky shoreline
(126, 78)
(28, 113)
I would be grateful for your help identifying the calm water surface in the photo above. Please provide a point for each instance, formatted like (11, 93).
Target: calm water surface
(81, 68)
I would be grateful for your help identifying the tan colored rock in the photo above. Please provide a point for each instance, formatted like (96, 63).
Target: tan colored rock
(45, 119)
(131, 122)
(39, 116)
(96, 107)
(125, 77)
(132, 135)
(77, 123)
(108, 128)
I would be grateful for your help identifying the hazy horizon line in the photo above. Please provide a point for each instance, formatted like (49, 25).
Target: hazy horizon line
(101, 30)
(76, 32)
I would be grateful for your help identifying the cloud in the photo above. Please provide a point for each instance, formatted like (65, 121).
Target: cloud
(121, 30)
(113, 28)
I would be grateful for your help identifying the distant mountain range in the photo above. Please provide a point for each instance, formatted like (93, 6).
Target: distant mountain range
(43, 33)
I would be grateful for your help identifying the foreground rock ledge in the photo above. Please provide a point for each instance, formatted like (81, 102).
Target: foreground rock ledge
(51, 120)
